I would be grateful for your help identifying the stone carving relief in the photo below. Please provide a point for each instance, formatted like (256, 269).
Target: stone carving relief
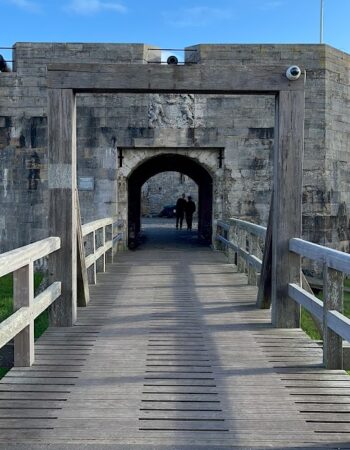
(171, 110)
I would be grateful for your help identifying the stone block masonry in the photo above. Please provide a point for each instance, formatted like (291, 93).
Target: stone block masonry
(144, 125)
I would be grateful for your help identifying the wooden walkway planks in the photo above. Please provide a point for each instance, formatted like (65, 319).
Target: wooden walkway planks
(171, 351)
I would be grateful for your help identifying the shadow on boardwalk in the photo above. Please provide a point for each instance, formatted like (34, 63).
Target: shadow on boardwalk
(171, 353)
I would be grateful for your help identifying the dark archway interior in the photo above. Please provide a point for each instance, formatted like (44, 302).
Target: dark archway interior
(177, 163)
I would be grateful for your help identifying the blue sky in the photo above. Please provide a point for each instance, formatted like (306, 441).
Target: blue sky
(174, 24)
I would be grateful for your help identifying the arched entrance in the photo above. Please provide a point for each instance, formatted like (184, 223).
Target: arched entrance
(178, 163)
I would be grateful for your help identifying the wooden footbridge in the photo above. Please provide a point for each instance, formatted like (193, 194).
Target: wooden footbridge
(177, 347)
(173, 352)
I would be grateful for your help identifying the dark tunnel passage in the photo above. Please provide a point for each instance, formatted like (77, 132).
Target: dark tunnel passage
(164, 163)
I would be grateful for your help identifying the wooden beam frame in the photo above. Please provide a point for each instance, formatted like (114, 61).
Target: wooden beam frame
(67, 80)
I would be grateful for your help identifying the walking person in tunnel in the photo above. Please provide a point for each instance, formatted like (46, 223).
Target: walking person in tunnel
(189, 210)
(180, 210)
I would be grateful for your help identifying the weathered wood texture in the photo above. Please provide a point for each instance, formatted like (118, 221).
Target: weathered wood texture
(171, 351)
(83, 294)
(62, 201)
(20, 325)
(23, 317)
(332, 258)
(20, 257)
(287, 205)
(333, 301)
(265, 284)
(23, 293)
(170, 78)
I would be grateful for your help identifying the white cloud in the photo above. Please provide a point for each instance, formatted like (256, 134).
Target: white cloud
(94, 6)
(197, 16)
(27, 5)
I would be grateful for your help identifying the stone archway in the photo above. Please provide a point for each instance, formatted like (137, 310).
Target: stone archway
(178, 163)
(66, 80)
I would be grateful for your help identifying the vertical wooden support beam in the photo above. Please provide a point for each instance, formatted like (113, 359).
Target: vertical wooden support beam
(264, 293)
(104, 243)
(93, 268)
(230, 251)
(23, 292)
(287, 205)
(333, 286)
(83, 294)
(253, 250)
(101, 240)
(241, 241)
(62, 202)
(109, 253)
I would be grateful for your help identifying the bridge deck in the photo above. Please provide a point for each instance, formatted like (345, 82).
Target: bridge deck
(172, 351)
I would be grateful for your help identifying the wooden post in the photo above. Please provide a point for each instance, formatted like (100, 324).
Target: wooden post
(333, 286)
(23, 292)
(241, 241)
(83, 295)
(287, 205)
(253, 250)
(101, 240)
(92, 269)
(230, 251)
(264, 293)
(109, 253)
(62, 202)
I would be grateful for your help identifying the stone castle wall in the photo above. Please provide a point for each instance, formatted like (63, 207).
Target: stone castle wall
(164, 189)
(240, 125)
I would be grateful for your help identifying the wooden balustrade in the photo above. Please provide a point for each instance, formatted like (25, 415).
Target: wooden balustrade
(243, 241)
(336, 326)
(98, 245)
(20, 325)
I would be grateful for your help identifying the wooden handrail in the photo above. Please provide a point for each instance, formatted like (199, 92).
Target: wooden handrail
(20, 325)
(20, 257)
(336, 326)
(98, 255)
(95, 225)
(332, 258)
(252, 228)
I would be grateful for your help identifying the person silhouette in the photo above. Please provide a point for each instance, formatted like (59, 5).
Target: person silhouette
(180, 210)
(189, 210)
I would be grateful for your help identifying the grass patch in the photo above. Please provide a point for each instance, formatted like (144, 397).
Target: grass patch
(6, 303)
(41, 323)
(307, 323)
(3, 371)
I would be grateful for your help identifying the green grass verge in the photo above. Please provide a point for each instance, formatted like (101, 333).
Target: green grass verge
(41, 323)
(6, 304)
(307, 323)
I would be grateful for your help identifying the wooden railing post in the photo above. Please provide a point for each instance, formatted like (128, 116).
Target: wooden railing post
(62, 171)
(94, 269)
(230, 251)
(23, 294)
(287, 205)
(241, 241)
(333, 282)
(109, 253)
(101, 240)
(253, 250)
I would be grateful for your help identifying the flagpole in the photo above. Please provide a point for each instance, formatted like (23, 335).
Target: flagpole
(321, 22)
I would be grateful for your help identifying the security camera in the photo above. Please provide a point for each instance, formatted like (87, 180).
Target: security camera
(293, 73)
(172, 60)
